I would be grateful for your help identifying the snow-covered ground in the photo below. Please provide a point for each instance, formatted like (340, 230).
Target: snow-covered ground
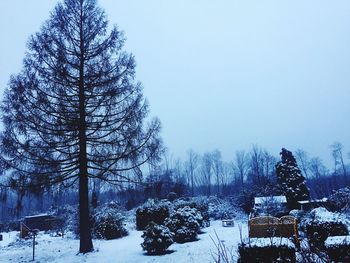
(8, 238)
(124, 250)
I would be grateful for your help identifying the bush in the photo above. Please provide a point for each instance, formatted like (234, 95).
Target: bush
(108, 223)
(339, 252)
(222, 209)
(157, 238)
(317, 233)
(200, 204)
(185, 224)
(69, 219)
(151, 212)
(340, 200)
(266, 250)
(321, 224)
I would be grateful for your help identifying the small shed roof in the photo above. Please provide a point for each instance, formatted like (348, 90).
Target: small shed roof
(323, 200)
(37, 216)
(266, 199)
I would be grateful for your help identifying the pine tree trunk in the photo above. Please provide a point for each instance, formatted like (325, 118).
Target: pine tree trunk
(84, 213)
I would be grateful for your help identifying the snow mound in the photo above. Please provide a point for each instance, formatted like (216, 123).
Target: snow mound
(337, 240)
(269, 242)
(322, 215)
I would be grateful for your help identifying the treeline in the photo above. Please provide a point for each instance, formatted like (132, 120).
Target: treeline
(247, 174)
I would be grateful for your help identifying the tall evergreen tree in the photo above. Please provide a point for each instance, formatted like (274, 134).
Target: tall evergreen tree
(75, 112)
(290, 179)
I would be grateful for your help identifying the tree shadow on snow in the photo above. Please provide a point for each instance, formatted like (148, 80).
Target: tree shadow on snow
(167, 252)
(194, 240)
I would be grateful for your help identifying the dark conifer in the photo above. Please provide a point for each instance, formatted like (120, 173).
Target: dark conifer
(290, 179)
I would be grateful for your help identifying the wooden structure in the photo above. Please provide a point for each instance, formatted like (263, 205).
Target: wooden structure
(42, 222)
(269, 226)
(227, 222)
(24, 230)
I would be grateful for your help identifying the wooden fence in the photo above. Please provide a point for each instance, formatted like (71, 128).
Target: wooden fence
(24, 230)
(269, 226)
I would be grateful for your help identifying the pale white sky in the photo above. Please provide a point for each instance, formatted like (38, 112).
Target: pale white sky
(225, 74)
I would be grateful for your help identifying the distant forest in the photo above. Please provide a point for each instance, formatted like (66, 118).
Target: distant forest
(248, 174)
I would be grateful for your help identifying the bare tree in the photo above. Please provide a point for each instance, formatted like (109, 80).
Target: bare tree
(75, 112)
(227, 175)
(217, 168)
(191, 166)
(337, 153)
(256, 165)
(241, 165)
(303, 161)
(206, 171)
(269, 162)
(319, 173)
(317, 168)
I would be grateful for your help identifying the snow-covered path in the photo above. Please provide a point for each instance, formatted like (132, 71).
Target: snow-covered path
(124, 250)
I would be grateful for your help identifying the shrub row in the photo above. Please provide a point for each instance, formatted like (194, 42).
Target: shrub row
(339, 253)
(266, 253)
(107, 221)
(317, 232)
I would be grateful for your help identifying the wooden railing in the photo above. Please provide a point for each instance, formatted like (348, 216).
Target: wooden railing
(269, 226)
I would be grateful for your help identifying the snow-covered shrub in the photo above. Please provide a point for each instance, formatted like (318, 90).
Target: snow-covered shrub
(222, 209)
(70, 219)
(185, 223)
(321, 223)
(199, 203)
(340, 200)
(151, 211)
(266, 250)
(157, 238)
(108, 223)
(338, 248)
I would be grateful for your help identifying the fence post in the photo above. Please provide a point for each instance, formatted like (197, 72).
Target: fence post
(33, 246)
(34, 232)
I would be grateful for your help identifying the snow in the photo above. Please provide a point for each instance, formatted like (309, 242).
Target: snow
(337, 240)
(321, 214)
(270, 241)
(8, 238)
(267, 199)
(124, 250)
(323, 200)
(39, 215)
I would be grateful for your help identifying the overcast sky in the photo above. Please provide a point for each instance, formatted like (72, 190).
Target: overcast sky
(225, 74)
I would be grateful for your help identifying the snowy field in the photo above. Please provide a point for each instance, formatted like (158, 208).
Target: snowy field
(124, 250)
